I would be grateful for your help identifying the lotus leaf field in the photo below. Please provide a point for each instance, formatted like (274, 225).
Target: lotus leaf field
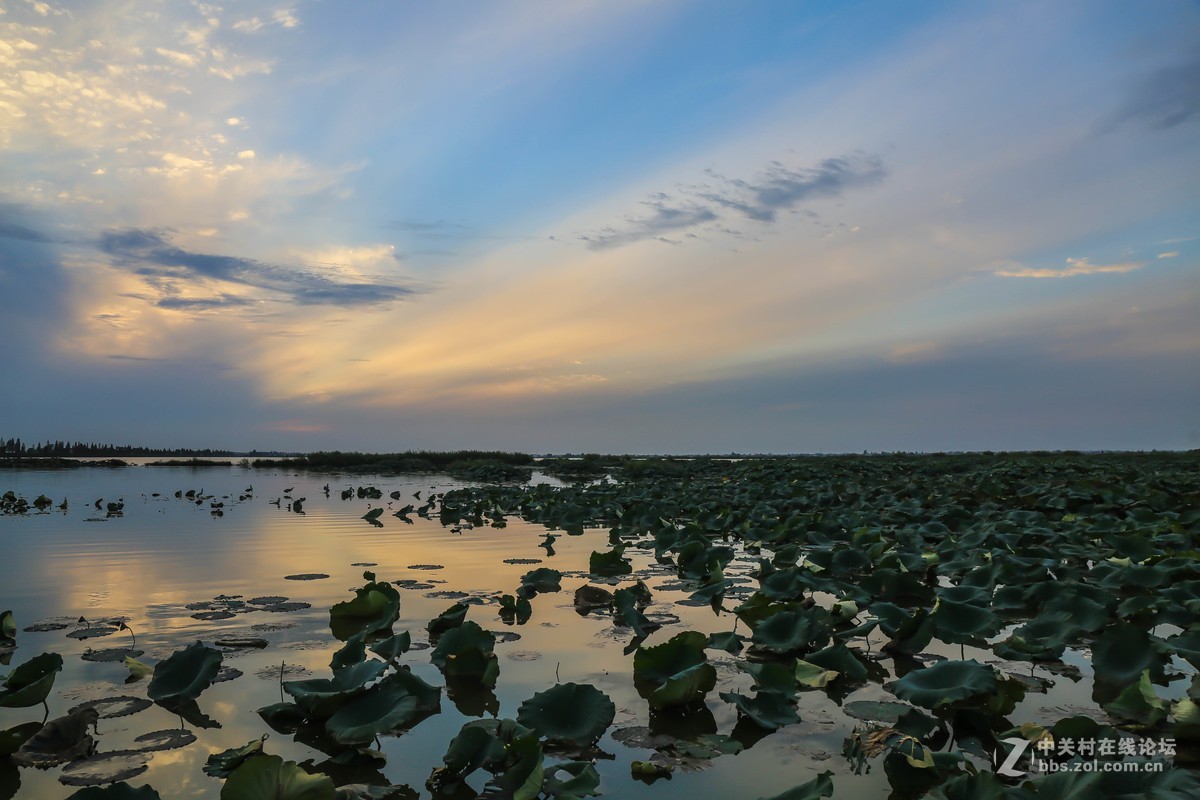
(785, 628)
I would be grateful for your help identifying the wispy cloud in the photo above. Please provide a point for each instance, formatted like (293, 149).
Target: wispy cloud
(1075, 267)
(1165, 98)
(1169, 254)
(775, 189)
(148, 253)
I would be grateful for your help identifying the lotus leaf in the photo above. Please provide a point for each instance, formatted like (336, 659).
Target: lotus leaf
(137, 669)
(185, 674)
(1121, 653)
(571, 713)
(351, 653)
(775, 676)
(1186, 645)
(30, 683)
(379, 710)
(887, 711)
(271, 778)
(583, 780)
(675, 672)
(792, 631)
(104, 768)
(452, 617)
(843, 660)
(818, 787)
(503, 747)
(1138, 703)
(393, 647)
(963, 623)
(542, 579)
(812, 676)
(116, 791)
(611, 563)
(155, 741)
(374, 608)
(222, 765)
(515, 608)
(946, 682)
(12, 739)
(8, 628)
(913, 634)
(467, 652)
(1185, 716)
(728, 641)
(1041, 639)
(361, 791)
(321, 697)
(588, 597)
(768, 710)
(283, 717)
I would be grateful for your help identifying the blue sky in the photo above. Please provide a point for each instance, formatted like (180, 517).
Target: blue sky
(618, 226)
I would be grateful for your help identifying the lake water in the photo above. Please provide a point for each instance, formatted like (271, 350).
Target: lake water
(163, 553)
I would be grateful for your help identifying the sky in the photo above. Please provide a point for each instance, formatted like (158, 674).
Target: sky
(610, 226)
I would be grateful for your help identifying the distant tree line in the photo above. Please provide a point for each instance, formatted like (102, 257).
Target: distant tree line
(15, 448)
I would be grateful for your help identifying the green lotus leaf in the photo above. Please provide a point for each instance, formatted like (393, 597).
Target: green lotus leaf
(946, 682)
(8, 628)
(914, 634)
(1041, 639)
(185, 674)
(30, 683)
(354, 651)
(683, 688)
(1138, 703)
(429, 697)
(137, 669)
(476, 745)
(572, 713)
(321, 697)
(222, 765)
(963, 623)
(1185, 716)
(841, 659)
(886, 711)
(505, 748)
(611, 563)
(542, 579)
(272, 778)
(467, 652)
(812, 676)
(793, 631)
(361, 791)
(116, 791)
(12, 739)
(767, 710)
(583, 780)
(283, 717)
(382, 708)
(1121, 653)
(1086, 613)
(682, 651)
(772, 676)
(393, 647)
(452, 617)
(728, 641)
(374, 608)
(818, 787)
(1186, 645)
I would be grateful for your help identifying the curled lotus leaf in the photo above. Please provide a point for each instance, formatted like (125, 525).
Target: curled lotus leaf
(1138, 703)
(583, 780)
(467, 652)
(8, 628)
(116, 791)
(267, 777)
(120, 765)
(321, 697)
(185, 674)
(59, 741)
(793, 630)
(452, 617)
(30, 683)
(1121, 653)
(12, 739)
(374, 608)
(767, 710)
(675, 672)
(542, 579)
(393, 647)
(1041, 639)
(610, 563)
(945, 683)
(222, 765)
(572, 713)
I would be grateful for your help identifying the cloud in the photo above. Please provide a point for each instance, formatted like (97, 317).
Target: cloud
(148, 254)
(1165, 98)
(777, 188)
(12, 230)
(1076, 267)
(1169, 254)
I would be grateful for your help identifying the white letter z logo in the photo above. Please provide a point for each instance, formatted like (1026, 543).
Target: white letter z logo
(1018, 750)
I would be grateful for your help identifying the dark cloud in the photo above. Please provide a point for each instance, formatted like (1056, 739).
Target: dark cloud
(11, 230)
(202, 303)
(776, 189)
(1163, 99)
(148, 253)
(435, 229)
(662, 219)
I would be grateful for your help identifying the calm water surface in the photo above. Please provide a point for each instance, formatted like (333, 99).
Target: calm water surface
(164, 553)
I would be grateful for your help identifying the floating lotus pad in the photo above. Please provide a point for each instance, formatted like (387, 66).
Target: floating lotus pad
(120, 765)
(171, 739)
(113, 707)
(111, 654)
(306, 576)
